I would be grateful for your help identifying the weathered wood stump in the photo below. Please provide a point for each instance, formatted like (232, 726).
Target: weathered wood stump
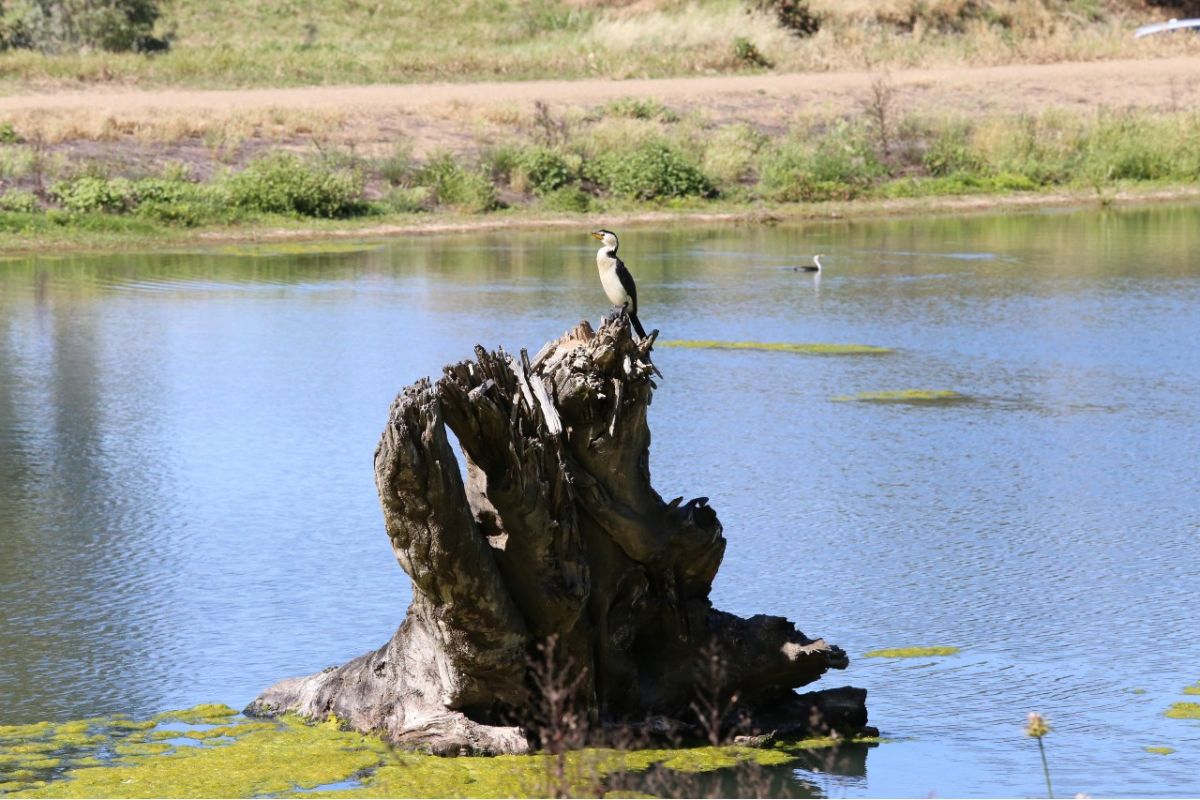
(556, 532)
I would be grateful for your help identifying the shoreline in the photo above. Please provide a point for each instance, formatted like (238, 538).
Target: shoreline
(79, 241)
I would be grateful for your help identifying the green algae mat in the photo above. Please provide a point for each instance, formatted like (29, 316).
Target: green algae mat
(914, 397)
(803, 348)
(911, 652)
(212, 751)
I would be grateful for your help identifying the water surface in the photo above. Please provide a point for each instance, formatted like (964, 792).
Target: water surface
(187, 509)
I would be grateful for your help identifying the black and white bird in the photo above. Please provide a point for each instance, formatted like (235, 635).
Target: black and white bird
(615, 278)
(813, 267)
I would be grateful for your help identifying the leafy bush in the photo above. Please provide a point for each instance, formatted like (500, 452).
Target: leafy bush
(8, 134)
(52, 25)
(89, 194)
(398, 168)
(649, 171)
(450, 184)
(282, 183)
(840, 165)
(745, 52)
(795, 15)
(405, 200)
(639, 108)
(539, 169)
(19, 201)
(951, 152)
(567, 198)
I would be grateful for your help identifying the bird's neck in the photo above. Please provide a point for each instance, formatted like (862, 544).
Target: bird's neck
(606, 257)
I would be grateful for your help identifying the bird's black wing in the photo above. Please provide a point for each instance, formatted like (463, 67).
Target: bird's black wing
(627, 282)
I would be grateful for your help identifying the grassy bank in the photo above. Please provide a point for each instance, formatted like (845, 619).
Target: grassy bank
(305, 42)
(625, 159)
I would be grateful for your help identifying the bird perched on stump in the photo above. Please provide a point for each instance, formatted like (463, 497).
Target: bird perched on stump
(615, 278)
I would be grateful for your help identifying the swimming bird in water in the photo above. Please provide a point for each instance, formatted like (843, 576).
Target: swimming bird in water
(813, 267)
(615, 278)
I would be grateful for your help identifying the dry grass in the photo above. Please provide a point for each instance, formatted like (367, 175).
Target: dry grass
(91, 124)
(308, 42)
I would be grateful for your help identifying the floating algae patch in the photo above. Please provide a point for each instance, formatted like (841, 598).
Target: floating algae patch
(290, 757)
(1184, 711)
(1192, 689)
(809, 348)
(916, 397)
(1160, 751)
(294, 249)
(911, 652)
(206, 714)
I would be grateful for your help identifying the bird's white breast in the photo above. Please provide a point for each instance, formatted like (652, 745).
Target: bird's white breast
(609, 279)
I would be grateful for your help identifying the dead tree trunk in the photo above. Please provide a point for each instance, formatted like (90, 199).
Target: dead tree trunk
(555, 533)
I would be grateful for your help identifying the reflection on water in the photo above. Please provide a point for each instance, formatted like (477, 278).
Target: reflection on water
(187, 509)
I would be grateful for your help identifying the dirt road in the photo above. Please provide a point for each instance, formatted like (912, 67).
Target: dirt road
(458, 116)
(1112, 83)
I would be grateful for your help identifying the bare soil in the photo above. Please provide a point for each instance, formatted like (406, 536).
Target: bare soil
(453, 116)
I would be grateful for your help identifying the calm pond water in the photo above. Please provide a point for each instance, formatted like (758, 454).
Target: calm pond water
(187, 509)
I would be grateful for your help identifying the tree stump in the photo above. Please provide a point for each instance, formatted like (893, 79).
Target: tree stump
(556, 534)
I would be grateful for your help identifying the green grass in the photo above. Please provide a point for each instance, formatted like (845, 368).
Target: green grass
(911, 652)
(813, 348)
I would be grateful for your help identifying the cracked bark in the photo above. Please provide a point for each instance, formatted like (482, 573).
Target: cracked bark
(555, 532)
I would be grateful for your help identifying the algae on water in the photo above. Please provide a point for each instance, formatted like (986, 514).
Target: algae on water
(1161, 751)
(1184, 711)
(918, 397)
(911, 652)
(290, 757)
(809, 348)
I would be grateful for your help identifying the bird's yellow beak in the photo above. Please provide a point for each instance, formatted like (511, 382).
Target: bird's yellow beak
(598, 235)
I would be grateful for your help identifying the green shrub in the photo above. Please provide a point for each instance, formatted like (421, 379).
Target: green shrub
(950, 152)
(405, 200)
(9, 135)
(19, 200)
(639, 108)
(398, 168)
(650, 171)
(540, 169)
(839, 165)
(567, 198)
(794, 15)
(449, 184)
(282, 183)
(746, 53)
(89, 194)
(52, 25)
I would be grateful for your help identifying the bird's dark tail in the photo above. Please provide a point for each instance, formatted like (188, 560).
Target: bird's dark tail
(637, 325)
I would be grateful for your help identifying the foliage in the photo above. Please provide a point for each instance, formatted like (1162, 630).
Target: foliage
(55, 25)
(639, 108)
(745, 52)
(89, 194)
(397, 169)
(649, 171)
(19, 200)
(282, 183)
(837, 166)
(794, 15)
(450, 184)
(541, 170)
(567, 198)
